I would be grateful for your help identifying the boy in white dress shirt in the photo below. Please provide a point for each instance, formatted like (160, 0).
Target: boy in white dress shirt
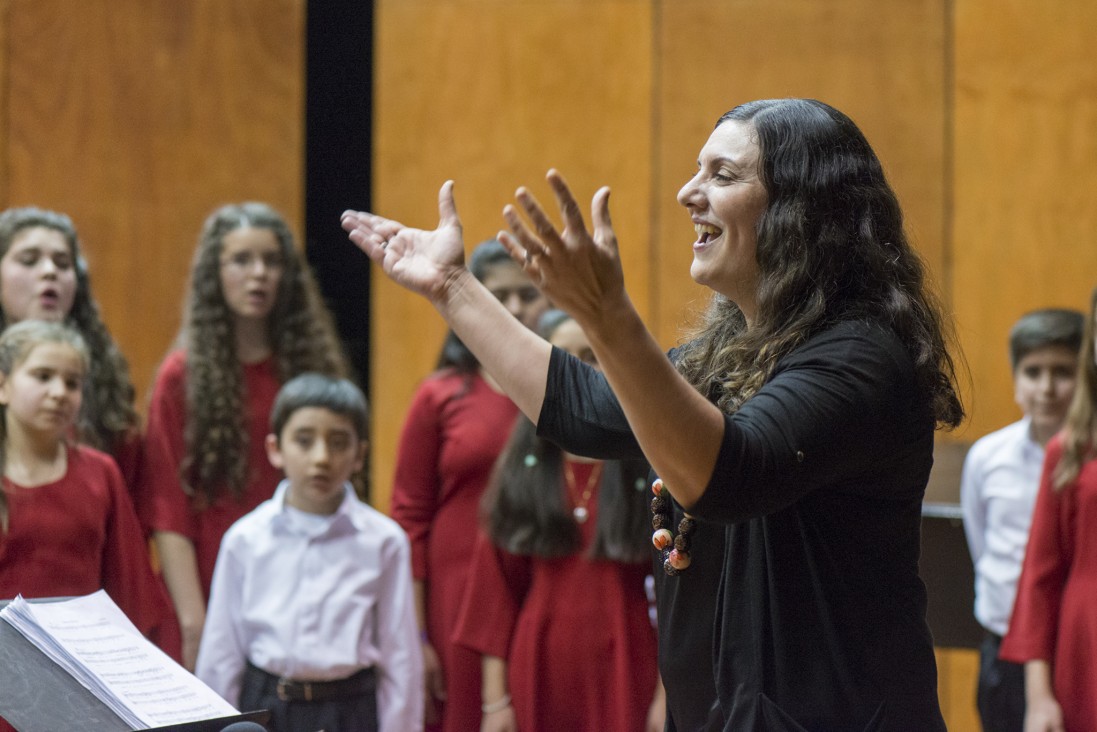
(998, 489)
(311, 613)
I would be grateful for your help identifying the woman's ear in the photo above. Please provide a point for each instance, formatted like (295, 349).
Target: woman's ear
(4, 396)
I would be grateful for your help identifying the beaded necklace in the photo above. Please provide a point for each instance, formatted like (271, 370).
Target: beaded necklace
(675, 549)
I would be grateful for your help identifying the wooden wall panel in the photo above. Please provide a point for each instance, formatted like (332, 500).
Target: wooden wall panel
(492, 93)
(5, 37)
(1025, 222)
(137, 118)
(882, 64)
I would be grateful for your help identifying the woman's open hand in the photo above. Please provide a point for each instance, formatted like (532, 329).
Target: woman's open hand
(425, 262)
(580, 271)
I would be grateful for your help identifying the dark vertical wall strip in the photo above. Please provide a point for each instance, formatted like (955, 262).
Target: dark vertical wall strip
(338, 111)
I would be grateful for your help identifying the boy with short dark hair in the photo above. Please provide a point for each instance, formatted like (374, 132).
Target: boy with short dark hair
(311, 613)
(998, 489)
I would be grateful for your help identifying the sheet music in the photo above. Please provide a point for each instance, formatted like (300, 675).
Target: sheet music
(92, 639)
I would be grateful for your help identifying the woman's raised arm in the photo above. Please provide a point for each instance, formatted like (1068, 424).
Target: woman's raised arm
(679, 430)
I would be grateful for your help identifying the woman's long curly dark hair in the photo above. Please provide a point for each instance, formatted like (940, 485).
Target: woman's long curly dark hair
(301, 334)
(107, 417)
(831, 247)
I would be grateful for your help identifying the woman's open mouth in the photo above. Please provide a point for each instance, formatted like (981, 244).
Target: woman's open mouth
(705, 234)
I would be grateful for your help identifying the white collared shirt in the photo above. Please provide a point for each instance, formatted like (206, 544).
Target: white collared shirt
(316, 598)
(998, 487)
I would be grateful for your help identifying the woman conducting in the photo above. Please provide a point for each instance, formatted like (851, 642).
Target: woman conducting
(798, 418)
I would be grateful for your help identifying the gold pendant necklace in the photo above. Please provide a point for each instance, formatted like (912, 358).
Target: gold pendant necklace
(580, 501)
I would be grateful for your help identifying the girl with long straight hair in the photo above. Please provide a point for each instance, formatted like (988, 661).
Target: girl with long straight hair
(564, 541)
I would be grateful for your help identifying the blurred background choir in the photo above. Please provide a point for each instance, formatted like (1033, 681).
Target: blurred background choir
(251, 321)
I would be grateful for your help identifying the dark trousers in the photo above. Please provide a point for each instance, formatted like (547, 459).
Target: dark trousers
(1001, 695)
(353, 714)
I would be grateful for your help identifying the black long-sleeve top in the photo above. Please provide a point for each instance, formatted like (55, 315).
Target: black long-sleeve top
(815, 618)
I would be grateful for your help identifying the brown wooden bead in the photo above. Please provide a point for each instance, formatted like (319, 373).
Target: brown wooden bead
(678, 560)
(668, 567)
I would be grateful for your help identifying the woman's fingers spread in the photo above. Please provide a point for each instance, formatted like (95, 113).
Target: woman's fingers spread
(370, 233)
(569, 208)
(353, 222)
(348, 220)
(361, 234)
(599, 212)
(544, 227)
(530, 243)
(447, 206)
(599, 208)
(514, 248)
(363, 222)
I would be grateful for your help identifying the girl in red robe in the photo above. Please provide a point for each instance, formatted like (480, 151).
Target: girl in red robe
(455, 428)
(555, 602)
(43, 276)
(67, 526)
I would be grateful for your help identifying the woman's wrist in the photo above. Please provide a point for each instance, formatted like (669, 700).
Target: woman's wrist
(454, 290)
(496, 706)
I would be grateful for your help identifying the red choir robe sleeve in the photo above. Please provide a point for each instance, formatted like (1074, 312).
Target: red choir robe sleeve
(1033, 627)
(128, 452)
(126, 569)
(162, 505)
(416, 485)
(497, 588)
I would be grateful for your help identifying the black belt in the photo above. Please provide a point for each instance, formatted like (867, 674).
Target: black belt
(360, 684)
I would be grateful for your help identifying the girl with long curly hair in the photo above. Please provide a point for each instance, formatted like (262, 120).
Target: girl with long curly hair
(253, 320)
(792, 434)
(43, 276)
